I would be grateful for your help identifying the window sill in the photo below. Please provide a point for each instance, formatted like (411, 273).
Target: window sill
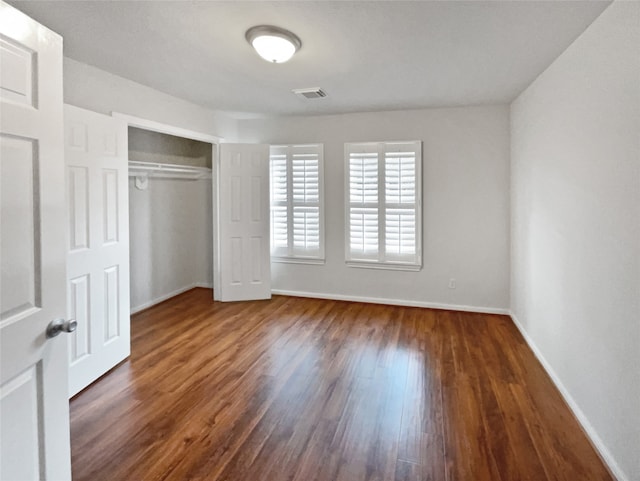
(297, 260)
(384, 266)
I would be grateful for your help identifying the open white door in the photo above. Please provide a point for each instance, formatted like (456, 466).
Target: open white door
(34, 408)
(245, 263)
(98, 250)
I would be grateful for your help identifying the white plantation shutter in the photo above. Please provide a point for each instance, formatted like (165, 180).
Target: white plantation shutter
(296, 203)
(401, 206)
(278, 175)
(363, 229)
(384, 205)
(305, 162)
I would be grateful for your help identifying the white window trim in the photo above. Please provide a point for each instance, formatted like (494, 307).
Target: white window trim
(297, 260)
(293, 258)
(377, 263)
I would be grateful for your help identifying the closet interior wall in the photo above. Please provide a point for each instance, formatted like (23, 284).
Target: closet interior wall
(171, 233)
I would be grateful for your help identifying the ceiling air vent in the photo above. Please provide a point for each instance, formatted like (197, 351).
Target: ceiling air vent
(310, 93)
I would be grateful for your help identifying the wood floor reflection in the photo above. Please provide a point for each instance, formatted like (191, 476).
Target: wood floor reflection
(306, 389)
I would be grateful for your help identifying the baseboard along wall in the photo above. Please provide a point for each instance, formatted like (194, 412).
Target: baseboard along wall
(589, 430)
(393, 302)
(169, 295)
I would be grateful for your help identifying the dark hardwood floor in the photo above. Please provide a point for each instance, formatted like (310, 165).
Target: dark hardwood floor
(306, 389)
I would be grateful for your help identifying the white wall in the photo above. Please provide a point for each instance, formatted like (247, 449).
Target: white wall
(94, 89)
(171, 238)
(465, 209)
(576, 228)
(170, 223)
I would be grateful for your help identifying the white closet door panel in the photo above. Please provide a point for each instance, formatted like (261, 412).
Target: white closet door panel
(79, 303)
(98, 257)
(244, 222)
(78, 196)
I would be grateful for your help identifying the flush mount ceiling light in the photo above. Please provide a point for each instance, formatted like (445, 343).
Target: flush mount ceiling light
(274, 44)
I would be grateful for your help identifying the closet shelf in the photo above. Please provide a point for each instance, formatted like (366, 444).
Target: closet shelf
(167, 171)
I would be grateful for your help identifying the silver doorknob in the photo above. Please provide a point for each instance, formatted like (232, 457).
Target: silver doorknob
(57, 326)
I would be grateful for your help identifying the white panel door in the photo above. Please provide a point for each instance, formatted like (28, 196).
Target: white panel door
(34, 408)
(245, 263)
(98, 243)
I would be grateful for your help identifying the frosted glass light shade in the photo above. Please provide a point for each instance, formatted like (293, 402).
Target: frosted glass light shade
(274, 49)
(273, 44)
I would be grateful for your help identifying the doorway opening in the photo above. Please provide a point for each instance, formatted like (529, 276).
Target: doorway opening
(172, 210)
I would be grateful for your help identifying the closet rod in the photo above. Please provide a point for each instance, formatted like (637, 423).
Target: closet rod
(155, 169)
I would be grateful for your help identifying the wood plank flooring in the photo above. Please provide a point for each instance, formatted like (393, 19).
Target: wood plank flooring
(314, 390)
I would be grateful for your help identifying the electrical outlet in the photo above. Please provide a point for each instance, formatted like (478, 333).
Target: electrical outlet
(452, 283)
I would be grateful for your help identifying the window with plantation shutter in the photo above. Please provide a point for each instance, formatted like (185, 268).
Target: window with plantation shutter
(297, 216)
(383, 217)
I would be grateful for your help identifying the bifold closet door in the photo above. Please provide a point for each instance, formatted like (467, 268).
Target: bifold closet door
(96, 154)
(245, 262)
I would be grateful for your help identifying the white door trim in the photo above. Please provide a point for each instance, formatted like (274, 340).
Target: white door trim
(147, 124)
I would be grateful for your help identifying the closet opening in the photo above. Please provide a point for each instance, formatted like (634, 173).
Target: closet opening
(171, 211)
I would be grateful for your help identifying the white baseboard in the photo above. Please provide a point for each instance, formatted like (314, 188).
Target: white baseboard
(597, 443)
(393, 302)
(171, 294)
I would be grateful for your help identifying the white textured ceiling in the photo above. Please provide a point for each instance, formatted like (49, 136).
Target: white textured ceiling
(365, 55)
